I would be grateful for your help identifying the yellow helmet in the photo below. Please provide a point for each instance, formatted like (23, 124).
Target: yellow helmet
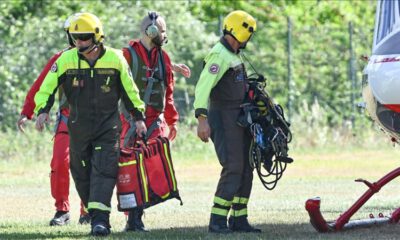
(67, 22)
(87, 23)
(240, 25)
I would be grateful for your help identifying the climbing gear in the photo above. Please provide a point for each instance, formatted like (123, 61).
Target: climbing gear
(152, 82)
(153, 92)
(270, 131)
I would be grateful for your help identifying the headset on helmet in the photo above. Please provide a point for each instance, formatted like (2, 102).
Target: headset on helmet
(152, 30)
(240, 25)
(87, 23)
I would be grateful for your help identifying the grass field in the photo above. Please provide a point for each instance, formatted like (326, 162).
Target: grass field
(26, 205)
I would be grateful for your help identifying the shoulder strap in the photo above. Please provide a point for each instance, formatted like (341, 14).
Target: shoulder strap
(134, 62)
(161, 65)
(154, 125)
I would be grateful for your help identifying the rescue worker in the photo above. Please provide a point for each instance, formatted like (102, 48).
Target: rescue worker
(94, 77)
(224, 81)
(59, 175)
(152, 70)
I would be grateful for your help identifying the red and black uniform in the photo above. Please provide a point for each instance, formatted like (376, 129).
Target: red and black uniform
(157, 64)
(152, 73)
(59, 177)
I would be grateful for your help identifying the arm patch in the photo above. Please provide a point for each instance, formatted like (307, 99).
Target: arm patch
(214, 68)
(54, 68)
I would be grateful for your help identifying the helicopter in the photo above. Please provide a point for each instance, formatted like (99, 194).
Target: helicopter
(380, 92)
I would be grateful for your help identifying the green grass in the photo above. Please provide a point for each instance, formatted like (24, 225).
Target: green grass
(26, 205)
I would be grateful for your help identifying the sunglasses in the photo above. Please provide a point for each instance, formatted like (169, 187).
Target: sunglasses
(82, 36)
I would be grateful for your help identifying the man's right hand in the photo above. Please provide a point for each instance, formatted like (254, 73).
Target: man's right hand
(203, 129)
(141, 129)
(41, 120)
(21, 122)
(182, 69)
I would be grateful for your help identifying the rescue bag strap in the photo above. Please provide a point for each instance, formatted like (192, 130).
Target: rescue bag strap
(60, 117)
(156, 124)
(131, 132)
(64, 118)
(132, 129)
(161, 65)
(134, 62)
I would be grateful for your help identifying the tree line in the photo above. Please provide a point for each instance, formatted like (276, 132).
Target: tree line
(31, 32)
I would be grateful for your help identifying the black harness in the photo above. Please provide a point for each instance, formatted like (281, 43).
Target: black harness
(154, 86)
(270, 131)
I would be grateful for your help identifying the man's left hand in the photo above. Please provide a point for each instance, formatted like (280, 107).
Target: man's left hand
(41, 120)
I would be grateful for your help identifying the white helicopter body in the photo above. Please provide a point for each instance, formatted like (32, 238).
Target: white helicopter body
(381, 77)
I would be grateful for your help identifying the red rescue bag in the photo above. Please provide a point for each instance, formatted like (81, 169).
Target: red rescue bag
(146, 175)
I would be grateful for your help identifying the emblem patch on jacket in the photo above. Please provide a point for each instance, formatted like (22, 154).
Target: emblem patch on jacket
(54, 68)
(214, 68)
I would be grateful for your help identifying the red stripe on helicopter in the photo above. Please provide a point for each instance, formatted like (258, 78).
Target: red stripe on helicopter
(393, 107)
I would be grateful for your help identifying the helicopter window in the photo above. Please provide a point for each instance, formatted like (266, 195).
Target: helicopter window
(386, 18)
(388, 118)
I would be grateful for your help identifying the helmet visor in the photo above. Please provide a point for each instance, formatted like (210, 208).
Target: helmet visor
(82, 36)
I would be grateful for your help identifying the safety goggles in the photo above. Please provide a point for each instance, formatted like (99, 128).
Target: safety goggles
(82, 36)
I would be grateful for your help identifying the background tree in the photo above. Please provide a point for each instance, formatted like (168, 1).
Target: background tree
(31, 32)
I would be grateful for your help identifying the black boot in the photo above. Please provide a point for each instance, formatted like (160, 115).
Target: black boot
(84, 219)
(135, 222)
(241, 224)
(100, 230)
(60, 218)
(100, 222)
(218, 224)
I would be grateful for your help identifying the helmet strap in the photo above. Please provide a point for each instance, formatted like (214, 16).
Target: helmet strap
(70, 41)
(91, 47)
(95, 46)
(226, 32)
(243, 45)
